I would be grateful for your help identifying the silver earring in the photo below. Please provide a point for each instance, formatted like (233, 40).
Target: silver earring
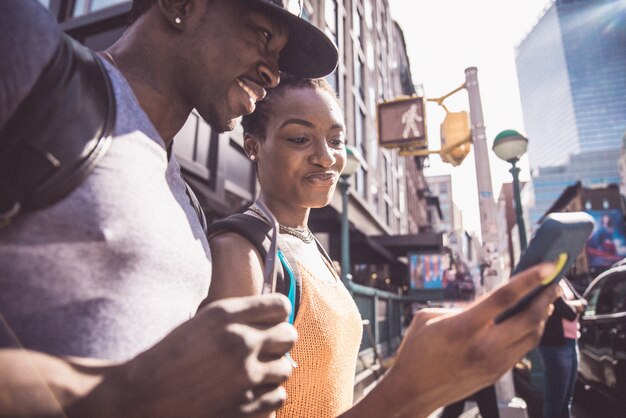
(253, 157)
(178, 21)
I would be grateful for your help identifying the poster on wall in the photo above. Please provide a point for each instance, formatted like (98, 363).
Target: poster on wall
(607, 243)
(428, 271)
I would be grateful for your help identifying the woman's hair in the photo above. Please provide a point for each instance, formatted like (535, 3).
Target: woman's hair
(255, 123)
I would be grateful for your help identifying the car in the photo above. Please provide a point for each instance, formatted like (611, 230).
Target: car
(602, 343)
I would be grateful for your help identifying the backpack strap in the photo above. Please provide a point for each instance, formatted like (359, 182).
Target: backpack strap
(255, 230)
(58, 133)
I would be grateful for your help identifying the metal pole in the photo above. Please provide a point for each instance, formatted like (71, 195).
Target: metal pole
(489, 225)
(487, 205)
(344, 185)
(518, 205)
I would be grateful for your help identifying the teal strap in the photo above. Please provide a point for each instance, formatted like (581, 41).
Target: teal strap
(292, 285)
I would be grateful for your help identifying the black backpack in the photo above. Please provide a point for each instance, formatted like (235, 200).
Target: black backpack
(58, 133)
(288, 279)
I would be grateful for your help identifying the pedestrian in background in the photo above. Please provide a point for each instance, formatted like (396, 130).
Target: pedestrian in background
(485, 399)
(559, 352)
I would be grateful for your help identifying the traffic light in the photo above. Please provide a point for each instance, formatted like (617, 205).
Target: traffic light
(456, 138)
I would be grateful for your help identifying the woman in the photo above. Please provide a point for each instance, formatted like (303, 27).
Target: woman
(296, 137)
(559, 352)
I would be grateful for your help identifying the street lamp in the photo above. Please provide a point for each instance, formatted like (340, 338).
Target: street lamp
(509, 146)
(353, 162)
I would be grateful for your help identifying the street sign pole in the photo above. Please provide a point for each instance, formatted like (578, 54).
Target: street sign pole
(505, 389)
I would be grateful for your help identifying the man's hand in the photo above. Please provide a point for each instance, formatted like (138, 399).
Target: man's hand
(229, 360)
(447, 356)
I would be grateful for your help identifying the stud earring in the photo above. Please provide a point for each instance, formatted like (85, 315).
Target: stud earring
(253, 157)
(178, 20)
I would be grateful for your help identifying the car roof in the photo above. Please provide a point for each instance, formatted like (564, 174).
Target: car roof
(621, 268)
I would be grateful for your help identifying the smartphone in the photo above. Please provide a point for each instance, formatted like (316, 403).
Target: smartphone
(559, 239)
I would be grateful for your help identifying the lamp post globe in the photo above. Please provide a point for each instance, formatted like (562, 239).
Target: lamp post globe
(353, 163)
(510, 145)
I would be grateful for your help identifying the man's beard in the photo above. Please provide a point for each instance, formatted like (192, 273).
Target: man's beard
(220, 124)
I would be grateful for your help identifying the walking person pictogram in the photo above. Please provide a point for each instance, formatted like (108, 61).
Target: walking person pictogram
(411, 118)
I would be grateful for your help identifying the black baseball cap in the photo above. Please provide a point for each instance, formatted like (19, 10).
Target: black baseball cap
(309, 53)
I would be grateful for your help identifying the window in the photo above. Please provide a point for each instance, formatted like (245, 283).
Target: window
(306, 14)
(331, 19)
(192, 145)
(330, 16)
(356, 24)
(361, 181)
(359, 76)
(359, 131)
(375, 198)
(612, 297)
(83, 7)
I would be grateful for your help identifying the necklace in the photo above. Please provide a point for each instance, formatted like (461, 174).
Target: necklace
(304, 234)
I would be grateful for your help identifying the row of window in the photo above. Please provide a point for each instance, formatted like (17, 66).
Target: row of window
(354, 25)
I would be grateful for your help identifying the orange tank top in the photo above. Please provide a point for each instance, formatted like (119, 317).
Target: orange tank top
(329, 335)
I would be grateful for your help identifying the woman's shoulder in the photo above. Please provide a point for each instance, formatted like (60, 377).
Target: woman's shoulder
(231, 244)
(236, 267)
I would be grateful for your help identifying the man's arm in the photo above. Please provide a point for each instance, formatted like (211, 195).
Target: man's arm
(446, 357)
(227, 361)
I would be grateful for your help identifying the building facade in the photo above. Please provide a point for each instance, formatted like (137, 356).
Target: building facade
(600, 202)
(592, 168)
(572, 79)
(373, 67)
(441, 187)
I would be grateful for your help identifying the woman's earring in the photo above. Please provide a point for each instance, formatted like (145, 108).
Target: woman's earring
(178, 20)
(253, 157)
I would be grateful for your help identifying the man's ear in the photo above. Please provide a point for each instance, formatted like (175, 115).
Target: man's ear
(176, 12)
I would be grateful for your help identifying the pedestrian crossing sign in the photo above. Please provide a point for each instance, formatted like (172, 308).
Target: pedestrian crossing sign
(402, 123)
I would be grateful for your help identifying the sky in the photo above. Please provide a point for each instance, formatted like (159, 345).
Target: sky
(443, 38)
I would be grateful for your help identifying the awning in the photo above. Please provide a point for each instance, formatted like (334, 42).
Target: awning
(366, 250)
(401, 245)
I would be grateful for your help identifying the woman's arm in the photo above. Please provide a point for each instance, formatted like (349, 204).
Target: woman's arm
(444, 358)
(237, 270)
(237, 267)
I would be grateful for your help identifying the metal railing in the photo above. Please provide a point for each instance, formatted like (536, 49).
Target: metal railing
(384, 314)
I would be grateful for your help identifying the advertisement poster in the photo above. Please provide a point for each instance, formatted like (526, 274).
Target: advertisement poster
(607, 243)
(428, 270)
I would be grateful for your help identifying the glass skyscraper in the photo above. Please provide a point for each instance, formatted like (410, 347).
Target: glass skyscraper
(572, 78)
(592, 168)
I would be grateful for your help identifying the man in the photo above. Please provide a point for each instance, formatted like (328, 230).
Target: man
(113, 267)
(97, 288)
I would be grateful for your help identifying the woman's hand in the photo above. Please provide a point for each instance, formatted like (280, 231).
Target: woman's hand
(447, 356)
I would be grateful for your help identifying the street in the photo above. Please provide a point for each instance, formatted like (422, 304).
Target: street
(586, 404)
(591, 405)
